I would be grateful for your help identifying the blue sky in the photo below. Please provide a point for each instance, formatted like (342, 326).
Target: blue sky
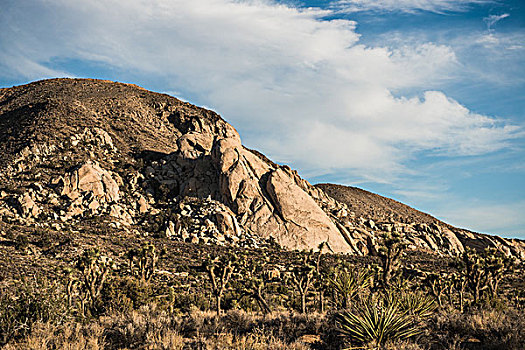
(421, 101)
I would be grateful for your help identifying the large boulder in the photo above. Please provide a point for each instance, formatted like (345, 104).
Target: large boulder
(90, 177)
(27, 206)
(306, 224)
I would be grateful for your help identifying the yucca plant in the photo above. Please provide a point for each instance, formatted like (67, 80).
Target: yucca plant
(376, 322)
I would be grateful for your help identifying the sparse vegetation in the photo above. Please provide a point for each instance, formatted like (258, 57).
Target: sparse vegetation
(257, 302)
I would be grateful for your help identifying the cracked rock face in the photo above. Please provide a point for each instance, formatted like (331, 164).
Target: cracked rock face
(73, 149)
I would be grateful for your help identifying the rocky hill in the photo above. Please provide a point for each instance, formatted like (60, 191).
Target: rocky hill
(375, 207)
(77, 152)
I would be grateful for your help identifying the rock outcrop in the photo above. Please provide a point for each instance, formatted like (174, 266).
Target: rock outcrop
(73, 150)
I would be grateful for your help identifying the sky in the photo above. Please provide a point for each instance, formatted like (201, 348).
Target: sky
(422, 101)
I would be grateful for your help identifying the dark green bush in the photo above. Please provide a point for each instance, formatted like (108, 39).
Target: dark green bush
(124, 294)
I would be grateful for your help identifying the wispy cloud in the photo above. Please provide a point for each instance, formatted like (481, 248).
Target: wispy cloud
(479, 57)
(493, 19)
(502, 218)
(408, 6)
(491, 39)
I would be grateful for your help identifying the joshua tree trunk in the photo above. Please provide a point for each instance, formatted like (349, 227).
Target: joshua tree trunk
(303, 303)
(218, 301)
(387, 273)
(262, 303)
(476, 292)
(219, 273)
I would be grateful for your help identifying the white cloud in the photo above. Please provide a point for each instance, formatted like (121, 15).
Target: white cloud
(301, 89)
(409, 6)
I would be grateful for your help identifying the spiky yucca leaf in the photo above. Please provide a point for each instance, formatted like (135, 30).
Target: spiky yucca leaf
(375, 322)
(416, 303)
(413, 303)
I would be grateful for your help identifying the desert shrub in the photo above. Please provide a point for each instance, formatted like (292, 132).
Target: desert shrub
(27, 303)
(286, 326)
(185, 301)
(239, 322)
(123, 294)
(258, 340)
(21, 242)
(43, 238)
(149, 327)
(403, 345)
(289, 326)
(71, 335)
(490, 328)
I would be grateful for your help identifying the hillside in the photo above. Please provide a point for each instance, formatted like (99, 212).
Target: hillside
(77, 152)
(376, 207)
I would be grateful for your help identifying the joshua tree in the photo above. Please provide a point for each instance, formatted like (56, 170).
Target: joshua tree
(321, 282)
(459, 281)
(484, 271)
(94, 269)
(472, 265)
(390, 250)
(220, 270)
(302, 277)
(496, 265)
(72, 284)
(438, 284)
(146, 259)
(254, 283)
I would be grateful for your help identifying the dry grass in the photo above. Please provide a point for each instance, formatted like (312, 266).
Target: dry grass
(71, 336)
(153, 328)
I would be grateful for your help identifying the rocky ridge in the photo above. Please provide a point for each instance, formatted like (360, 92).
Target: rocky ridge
(79, 150)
